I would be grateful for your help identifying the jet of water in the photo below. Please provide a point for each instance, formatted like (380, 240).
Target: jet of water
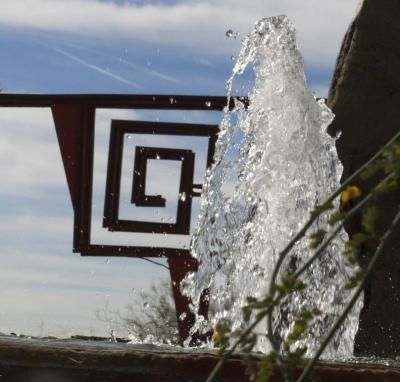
(274, 162)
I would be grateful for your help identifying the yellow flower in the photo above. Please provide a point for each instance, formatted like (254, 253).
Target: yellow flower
(351, 192)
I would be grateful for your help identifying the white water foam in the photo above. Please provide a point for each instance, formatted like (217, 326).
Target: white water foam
(274, 162)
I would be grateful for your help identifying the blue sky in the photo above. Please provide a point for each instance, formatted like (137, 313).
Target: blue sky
(89, 46)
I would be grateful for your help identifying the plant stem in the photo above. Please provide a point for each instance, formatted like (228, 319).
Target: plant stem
(336, 193)
(285, 252)
(353, 300)
(221, 362)
(350, 214)
(305, 266)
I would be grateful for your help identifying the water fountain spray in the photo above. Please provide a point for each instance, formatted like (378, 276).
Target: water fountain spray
(274, 162)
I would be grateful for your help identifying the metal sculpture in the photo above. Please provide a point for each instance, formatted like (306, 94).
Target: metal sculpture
(74, 118)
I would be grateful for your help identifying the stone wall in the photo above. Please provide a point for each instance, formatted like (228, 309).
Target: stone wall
(365, 97)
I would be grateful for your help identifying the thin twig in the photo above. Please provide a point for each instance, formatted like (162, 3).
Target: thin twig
(354, 299)
(222, 361)
(349, 215)
(270, 335)
(336, 193)
(287, 249)
(317, 253)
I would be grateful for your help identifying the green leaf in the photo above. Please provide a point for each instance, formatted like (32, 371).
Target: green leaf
(319, 209)
(247, 311)
(290, 284)
(372, 169)
(251, 366)
(296, 357)
(316, 238)
(300, 326)
(353, 248)
(316, 312)
(221, 336)
(355, 280)
(385, 187)
(369, 218)
(251, 300)
(266, 367)
(337, 217)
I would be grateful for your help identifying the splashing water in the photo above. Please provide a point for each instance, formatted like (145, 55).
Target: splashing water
(274, 161)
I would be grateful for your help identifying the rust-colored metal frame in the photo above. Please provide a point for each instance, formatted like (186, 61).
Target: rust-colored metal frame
(82, 230)
(139, 197)
(78, 159)
(121, 128)
(111, 210)
(142, 154)
(74, 117)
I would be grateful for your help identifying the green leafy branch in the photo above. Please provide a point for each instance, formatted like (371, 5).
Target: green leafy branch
(387, 162)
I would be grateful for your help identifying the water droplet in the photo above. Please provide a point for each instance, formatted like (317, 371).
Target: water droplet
(171, 100)
(129, 136)
(232, 58)
(157, 157)
(208, 103)
(229, 33)
(146, 304)
(182, 196)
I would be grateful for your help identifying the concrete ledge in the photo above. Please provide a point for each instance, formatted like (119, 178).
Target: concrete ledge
(38, 360)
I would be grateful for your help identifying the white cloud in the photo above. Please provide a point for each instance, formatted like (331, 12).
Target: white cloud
(97, 69)
(30, 160)
(45, 288)
(199, 25)
(140, 68)
(36, 227)
(65, 290)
